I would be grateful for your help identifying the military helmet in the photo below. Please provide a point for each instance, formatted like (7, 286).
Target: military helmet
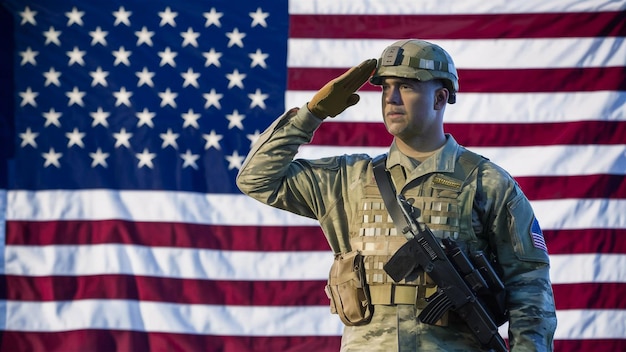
(417, 59)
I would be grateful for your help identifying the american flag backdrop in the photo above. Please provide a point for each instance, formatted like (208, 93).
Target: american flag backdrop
(123, 125)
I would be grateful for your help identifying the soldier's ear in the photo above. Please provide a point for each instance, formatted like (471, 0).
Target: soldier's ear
(441, 98)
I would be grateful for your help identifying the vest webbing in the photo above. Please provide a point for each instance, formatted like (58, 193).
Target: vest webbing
(390, 293)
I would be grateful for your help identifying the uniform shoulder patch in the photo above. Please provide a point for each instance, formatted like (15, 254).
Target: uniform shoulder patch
(537, 236)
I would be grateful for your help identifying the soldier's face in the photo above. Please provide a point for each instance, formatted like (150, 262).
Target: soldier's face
(410, 107)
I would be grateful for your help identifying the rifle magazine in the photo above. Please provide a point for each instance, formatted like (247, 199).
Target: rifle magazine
(438, 305)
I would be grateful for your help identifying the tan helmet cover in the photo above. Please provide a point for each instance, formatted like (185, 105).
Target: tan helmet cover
(417, 59)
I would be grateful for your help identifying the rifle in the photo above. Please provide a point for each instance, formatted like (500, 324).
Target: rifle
(459, 283)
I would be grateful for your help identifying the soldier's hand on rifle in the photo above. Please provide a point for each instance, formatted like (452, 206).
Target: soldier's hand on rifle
(339, 94)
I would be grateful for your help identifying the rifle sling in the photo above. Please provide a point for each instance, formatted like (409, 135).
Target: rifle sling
(383, 180)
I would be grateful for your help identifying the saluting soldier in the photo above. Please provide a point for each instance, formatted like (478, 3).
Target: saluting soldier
(461, 196)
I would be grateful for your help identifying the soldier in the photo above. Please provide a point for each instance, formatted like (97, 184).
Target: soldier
(484, 210)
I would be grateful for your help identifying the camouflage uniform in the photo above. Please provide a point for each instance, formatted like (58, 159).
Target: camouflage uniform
(489, 212)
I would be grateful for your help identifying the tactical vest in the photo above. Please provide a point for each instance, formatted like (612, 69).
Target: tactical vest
(445, 201)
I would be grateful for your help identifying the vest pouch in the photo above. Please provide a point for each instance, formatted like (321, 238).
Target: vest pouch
(348, 291)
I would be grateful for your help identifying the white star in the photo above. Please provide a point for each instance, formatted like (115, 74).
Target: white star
(122, 138)
(28, 56)
(234, 120)
(258, 99)
(28, 97)
(258, 58)
(98, 36)
(234, 160)
(145, 158)
(190, 159)
(212, 98)
(253, 137)
(122, 97)
(75, 138)
(191, 119)
(191, 78)
(169, 138)
(76, 97)
(145, 118)
(28, 138)
(212, 58)
(52, 118)
(144, 36)
(122, 16)
(52, 77)
(167, 98)
(99, 158)
(52, 158)
(259, 17)
(167, 57)
(212, 140)
(190, 38)
(99, 77)
(52, 36)
(145, 77)
(167, 17)
(121, 56)
(235, 79)
(99, 118)
(28, 16)
(235, 38)
(76, 56)
(75, 17)
(213, 17)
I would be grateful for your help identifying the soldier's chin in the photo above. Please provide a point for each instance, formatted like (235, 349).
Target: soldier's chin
(395, 128)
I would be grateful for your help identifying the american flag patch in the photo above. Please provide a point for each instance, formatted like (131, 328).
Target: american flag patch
(537, 236)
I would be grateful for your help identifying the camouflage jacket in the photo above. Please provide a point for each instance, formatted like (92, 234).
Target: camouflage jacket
(330, 190)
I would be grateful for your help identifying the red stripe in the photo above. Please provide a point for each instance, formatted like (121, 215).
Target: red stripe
(482, 26)
(588, 295)
(374, 134)
(547, 80)
(587, 186)
(42, 233)
(163, 234)
(161, 289)
(610, 241)
(534, 134)
(118, 340)
(239, 293)
(595, 345)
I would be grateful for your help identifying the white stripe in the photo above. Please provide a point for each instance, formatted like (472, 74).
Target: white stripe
(578, 324)
(590, 324)
(156, 206)
(497, 107)
(67, 205)
(470, 54)
(236, 320)
(449, 7)
(552, 160)
(172, 318)
(593, 267)
(578, 214)
(184, 263)
(201, 264)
